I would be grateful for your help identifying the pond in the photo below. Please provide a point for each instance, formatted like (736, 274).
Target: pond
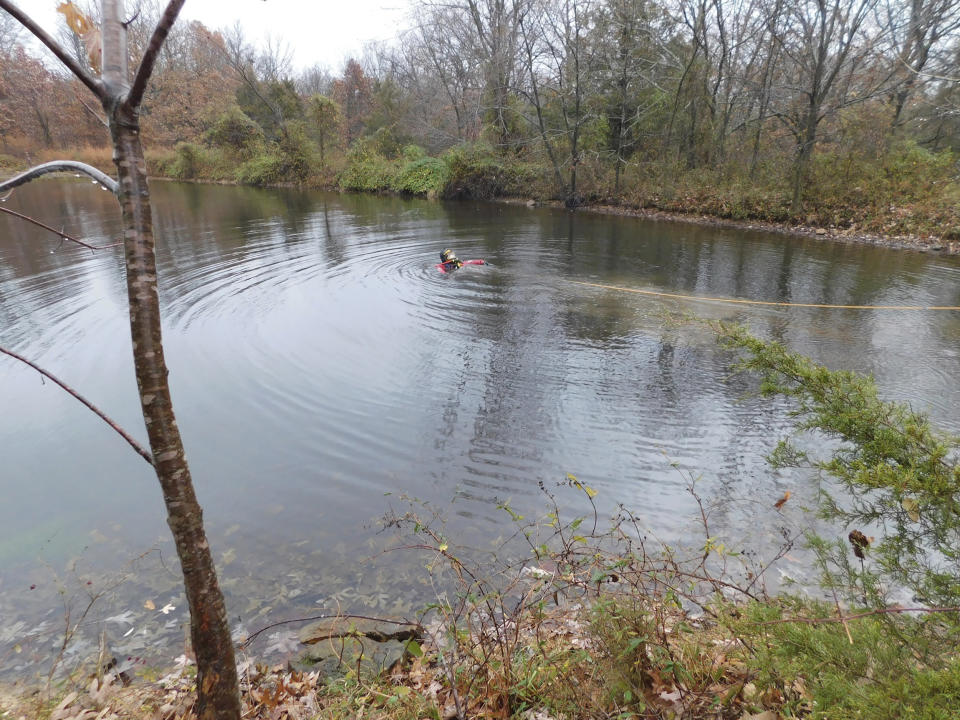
(322, 370)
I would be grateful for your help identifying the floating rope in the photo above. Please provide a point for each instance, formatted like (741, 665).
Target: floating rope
(738, 301)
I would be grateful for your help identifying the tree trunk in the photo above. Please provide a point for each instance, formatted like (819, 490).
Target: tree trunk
(218, 694)
(808, 139)
(216, 667)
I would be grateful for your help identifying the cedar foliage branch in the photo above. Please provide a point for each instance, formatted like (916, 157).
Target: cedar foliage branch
(892, 473)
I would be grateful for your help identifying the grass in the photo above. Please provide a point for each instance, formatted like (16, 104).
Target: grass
(100, 157)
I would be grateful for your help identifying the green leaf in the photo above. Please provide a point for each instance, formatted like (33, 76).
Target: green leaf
(413, 647)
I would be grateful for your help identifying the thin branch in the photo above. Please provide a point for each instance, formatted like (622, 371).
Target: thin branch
(145, 69)
(333, 616)
(59, 166)
(895, 609)
(60, 233)
(920, 73)
(133, 443)
(100, 118)
(840, 615)
(95, 85)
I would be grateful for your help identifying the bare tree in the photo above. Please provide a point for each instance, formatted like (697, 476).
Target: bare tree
(496, 24)
(823, 45)
(217, 687)
(916, 29)
(314, 80)
(560, 70)
(10, 32)
(438, 64)
(449, 54)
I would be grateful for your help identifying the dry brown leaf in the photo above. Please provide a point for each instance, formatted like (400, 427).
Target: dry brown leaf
(76, 20)
(859, 541)
(782, 501)
(912, 508)
(61, 711)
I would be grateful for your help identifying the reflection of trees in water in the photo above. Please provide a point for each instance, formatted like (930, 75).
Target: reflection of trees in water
(510, 424)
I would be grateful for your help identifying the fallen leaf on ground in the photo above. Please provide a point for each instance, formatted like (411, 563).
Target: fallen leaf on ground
(782, 501)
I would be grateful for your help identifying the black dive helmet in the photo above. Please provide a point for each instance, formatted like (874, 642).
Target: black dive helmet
(447, 256)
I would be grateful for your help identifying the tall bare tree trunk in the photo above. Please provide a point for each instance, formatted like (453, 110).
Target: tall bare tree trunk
(218, 696)
(217, 682)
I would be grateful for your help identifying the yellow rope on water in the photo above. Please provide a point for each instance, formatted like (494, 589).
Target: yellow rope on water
(738, 301)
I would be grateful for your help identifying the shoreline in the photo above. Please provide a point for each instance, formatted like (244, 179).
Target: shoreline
(930, 246)
(914, 243)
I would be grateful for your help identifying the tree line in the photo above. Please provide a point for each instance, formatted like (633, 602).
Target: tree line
(590, 97)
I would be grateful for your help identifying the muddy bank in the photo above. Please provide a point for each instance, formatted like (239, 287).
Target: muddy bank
(930, 244)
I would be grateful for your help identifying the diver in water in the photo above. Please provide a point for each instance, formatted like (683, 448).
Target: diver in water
(449, 261)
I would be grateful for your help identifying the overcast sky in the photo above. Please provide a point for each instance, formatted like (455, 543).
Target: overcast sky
(318, 31)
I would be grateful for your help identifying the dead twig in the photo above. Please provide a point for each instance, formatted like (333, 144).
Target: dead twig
(840, 616)
(145, 454)
(892, 610)
(340, 616)
(412, 633)
(59, 233)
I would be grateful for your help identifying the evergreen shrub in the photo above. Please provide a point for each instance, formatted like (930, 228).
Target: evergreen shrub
(424, 176)
(474, 171)
(188, 162)
(367, 169)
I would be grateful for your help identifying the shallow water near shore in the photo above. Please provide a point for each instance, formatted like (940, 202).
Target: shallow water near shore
(321, 367)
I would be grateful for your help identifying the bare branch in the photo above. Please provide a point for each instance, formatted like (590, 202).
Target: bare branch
(99, 118)
(59, 166)
(417, 627)
(59, 233)
(95, 85)
(919, 73)
(892, 610)
(133, 443)
(145, 69)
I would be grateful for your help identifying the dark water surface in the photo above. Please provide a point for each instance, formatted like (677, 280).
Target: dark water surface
(319, 361)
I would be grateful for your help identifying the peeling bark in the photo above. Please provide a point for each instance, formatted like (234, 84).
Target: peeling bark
(217, 683)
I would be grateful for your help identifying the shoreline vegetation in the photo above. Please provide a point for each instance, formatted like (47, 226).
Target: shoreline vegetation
(594, 618)
(476, 172)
